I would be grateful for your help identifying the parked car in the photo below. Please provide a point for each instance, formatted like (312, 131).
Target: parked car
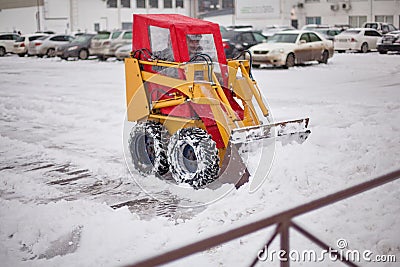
(47, 45)
(100, 45)
(78, 48)
(380, 26)
(123, 52)
(125, 38)
(21, 44)
(239, 28)
(389, 42)
(312, 27)
(236, 41)
(222, 28)
(328, 33)
(359, 39)
(342, 27)
(7, 43)
(292, 47)
(271, 30)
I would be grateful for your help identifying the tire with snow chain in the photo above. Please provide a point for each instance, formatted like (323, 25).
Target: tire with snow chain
(148, 146)
(193, 157)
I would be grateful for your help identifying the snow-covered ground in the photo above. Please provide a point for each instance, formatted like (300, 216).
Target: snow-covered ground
(63, 172)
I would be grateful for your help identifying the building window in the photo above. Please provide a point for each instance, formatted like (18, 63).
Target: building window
(167, 3)
(179, 3)
(126, 3)
(111, 3)
(97, 27)
(227, 3)
(387, 19)
(357, 21)
(127, 25)
(153, 3)
(313, 20)
(141, 3)
(208, 5)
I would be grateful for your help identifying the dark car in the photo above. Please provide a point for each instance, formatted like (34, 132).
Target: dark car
(78, 48)
(235, 42)
(389, 42)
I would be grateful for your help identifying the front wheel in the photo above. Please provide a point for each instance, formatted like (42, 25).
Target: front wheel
(83, 54)
(148, 146)
(193, 157)
(290, 61)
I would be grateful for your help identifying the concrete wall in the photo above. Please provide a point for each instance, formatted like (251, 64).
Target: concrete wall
(301, 9)
(66, 16)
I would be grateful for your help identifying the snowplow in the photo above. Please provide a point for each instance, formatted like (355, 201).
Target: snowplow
(193, 107)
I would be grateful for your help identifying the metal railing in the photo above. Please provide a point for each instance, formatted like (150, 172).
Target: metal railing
(282, 220)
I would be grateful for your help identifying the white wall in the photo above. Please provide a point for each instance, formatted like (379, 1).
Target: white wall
(20, 19)
(60, 16)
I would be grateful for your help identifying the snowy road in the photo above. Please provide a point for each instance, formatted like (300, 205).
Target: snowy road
(62, 166)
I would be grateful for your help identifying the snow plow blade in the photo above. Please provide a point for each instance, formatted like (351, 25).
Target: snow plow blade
(285, 132)
(234, 170)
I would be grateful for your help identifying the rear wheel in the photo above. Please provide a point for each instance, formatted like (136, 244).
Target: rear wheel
(383, 52)
(51, 52)
(364, 48)
(193, 157)
(324, 57)
(2, 51)
(256, 66)
(21, 54)
(83, 54)
(290, 61)
(148, 146)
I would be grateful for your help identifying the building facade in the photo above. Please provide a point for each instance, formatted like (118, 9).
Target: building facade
(69, 16)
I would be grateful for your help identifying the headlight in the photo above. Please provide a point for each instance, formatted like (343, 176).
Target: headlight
(277, 51)
(73, 48)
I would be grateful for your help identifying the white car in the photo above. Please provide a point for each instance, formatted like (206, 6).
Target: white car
(381, 27)
(123, 52)
(292, 47)
(103, 46)
(359, 39)
(7, 43)
(22, 43)
(47, 45)
(271, 30)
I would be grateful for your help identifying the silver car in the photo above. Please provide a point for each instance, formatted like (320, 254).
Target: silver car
(47, 45)
(123, 52)
(125, 38)
(103, 45)
(22, 43)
